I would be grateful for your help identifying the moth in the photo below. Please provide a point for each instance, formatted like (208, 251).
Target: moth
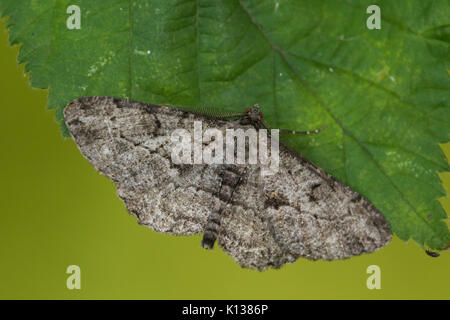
(261, 221)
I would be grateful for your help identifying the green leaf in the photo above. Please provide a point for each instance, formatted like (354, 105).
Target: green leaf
(383, 94)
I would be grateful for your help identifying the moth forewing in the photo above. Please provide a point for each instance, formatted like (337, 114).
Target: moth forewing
(260, 220)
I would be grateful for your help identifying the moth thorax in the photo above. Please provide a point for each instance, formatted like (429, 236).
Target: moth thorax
(254, 114)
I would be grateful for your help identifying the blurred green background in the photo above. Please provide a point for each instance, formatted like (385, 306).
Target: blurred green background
(56, 210)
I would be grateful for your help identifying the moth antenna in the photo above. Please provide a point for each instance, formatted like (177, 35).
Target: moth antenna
(204, 111)
(232, 115)
(302, 132)
(265, 126)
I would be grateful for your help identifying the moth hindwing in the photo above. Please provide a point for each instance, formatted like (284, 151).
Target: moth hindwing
(260, 220)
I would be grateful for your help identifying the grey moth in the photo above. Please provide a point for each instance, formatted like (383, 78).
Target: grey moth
(261, 221)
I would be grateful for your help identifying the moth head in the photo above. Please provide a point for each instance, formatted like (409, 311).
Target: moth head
(254, 114)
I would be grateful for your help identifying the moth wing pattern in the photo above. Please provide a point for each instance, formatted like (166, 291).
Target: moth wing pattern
(125, 141)
(317, 217)
(300, 211)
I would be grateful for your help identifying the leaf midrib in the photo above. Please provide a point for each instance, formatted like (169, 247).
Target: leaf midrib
(326, 109)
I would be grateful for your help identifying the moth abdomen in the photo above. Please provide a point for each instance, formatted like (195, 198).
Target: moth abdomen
(231, 178)
(212, 228)
(225, 193)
